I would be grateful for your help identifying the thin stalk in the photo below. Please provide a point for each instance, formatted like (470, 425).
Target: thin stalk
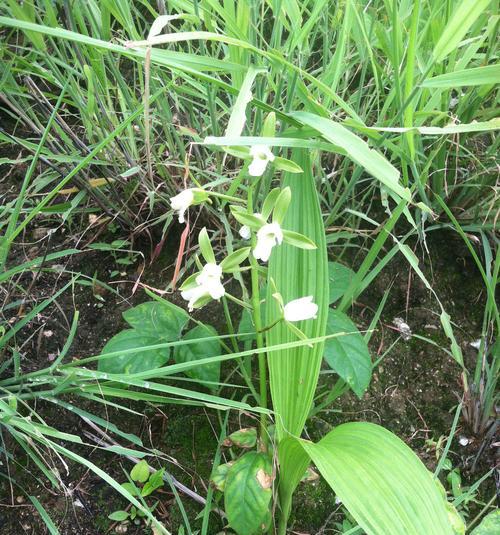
(409, 83)
(257, 319)
(241, 361)
(147, 119)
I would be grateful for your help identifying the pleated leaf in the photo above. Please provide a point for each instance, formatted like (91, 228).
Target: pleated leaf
(297, 273)
(383, 484)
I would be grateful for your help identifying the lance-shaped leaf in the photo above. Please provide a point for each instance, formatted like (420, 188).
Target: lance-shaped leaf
(206, 246)
(232, 262)
(357, 149)
(457, 27)
(383, 484)
(296, 273)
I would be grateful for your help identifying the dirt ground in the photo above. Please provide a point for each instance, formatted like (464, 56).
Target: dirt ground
(414, 390)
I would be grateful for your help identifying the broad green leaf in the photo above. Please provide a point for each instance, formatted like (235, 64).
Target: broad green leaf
(246, 326)
(295, 273)
(490, 525)
(468, 77)
(130, 487)
(248, 492)
(457, 27)
(200, 350)
(157, 319)
(340, 277)
(357, 149)
(137, 361)
(219, 476)
(383, 484)
(348, 354)
(140, 472)
(243, 438)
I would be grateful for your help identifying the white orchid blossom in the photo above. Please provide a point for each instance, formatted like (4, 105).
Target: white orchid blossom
(267, 237)
(180, 203)
(261, 155)
(189, 197)
(208, 284)
(245, 232)
(301, 309)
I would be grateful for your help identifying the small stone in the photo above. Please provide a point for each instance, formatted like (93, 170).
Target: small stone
(20, 499)
(463, 441)
(476, 344)
(403, 328)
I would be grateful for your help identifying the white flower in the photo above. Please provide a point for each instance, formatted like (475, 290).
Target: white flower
(208, 284)
(180, 203)
(261, 154)
(301, 309)
(267, 237)
(245, 232)
(193, 294)
(209, 278)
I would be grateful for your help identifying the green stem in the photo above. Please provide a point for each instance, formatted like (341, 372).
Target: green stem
(241, 361)
(257, 319)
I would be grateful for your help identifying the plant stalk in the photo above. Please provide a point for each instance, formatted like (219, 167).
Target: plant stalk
(257, 319)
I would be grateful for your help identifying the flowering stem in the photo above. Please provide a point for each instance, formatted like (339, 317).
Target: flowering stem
(241, 361)
(264, 329)
(237, 301)
(258, 328)
(225, 197)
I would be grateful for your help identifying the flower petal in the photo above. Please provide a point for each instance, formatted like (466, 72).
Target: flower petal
(301, 309)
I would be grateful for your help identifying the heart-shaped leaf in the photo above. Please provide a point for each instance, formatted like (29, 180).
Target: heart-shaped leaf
(136, 361)
(340, 277)
(248, 492)
(157, 319)
(347, 354)
(200, 350)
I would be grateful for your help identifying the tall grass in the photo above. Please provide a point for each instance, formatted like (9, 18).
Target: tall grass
(382, 65)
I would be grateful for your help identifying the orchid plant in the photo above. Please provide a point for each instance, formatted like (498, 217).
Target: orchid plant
(282, 248)
(279, 257)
